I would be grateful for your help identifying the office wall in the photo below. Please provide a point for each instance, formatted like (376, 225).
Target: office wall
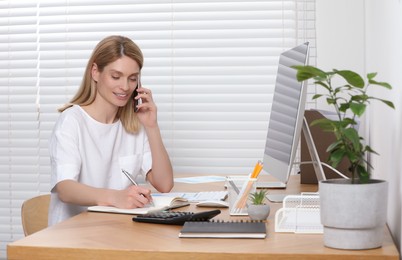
(384, 55)
(366, 36)
(340, 36)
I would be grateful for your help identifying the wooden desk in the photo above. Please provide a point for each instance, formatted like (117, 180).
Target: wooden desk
(115, 236)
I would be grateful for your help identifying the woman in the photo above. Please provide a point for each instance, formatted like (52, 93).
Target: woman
(98, 135)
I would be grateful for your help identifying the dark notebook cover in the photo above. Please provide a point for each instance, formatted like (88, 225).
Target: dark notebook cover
(205, 229)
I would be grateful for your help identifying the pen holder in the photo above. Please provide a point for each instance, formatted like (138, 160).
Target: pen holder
(239, 188)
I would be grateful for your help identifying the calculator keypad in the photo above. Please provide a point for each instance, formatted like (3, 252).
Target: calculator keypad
(175, 217)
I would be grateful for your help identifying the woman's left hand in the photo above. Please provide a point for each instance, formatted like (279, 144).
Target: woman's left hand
(147, 111)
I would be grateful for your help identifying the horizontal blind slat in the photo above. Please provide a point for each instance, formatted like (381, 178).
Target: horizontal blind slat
(211, 66)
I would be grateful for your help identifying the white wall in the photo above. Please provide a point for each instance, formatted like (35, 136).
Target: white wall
(340, 36)
(384, 55)
(366, 36)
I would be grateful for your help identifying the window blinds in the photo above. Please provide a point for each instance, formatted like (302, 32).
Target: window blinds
(210, 64)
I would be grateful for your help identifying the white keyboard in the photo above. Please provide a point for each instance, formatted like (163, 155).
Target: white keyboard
(271, 185)
(203, 195)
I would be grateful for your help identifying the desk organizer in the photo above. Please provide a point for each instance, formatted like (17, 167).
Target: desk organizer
(299, 214)
(239, 188)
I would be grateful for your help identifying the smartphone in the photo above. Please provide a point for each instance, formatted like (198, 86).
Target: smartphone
(135, 93)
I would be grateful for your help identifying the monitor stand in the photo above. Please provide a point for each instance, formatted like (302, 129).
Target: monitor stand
(270, 185)
(315, 161)
(276, 198)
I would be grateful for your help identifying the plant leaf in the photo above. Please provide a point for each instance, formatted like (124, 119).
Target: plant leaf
(364, 176)
(371, 75)
(352, 135)
(343, 107)
(321, 83)
(335, 145)
(331, 101)
(348, 121)
(325, 124)
(358, 108)
(308, 72)
(316, 96)
(336, 157)
(362, 97)
(383, 84)
(388, 103)
(351, 77)
(370, 150)
(353, 156)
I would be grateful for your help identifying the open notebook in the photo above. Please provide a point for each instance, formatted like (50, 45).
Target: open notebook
(160, 203)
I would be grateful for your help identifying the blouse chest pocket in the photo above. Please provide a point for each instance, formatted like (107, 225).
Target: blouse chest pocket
(131, 164)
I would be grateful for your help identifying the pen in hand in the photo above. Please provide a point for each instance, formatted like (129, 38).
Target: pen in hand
(134, 183)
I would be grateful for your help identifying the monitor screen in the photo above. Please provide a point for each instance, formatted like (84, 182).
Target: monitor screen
(286, 117)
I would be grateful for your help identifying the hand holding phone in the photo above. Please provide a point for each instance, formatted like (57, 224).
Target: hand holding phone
(135, 94)
(136, 101)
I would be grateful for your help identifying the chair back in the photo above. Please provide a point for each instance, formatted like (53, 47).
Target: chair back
(34, 214)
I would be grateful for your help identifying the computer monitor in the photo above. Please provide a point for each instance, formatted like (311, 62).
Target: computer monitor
(286, 117)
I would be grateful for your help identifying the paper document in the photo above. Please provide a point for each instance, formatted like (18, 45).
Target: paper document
(160, 203)
(197, 196)
(200, 179)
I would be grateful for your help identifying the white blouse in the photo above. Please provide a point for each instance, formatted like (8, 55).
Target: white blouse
(93, 153)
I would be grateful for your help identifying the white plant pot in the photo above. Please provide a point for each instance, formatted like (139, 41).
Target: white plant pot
(258, 212)
(353, 215)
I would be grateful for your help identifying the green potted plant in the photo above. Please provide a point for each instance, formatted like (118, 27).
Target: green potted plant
(353, 211)
(258, 210)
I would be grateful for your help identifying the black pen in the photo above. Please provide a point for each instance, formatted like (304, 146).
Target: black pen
(134, 183)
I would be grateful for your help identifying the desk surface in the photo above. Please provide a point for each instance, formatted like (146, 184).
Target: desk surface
(93, 235)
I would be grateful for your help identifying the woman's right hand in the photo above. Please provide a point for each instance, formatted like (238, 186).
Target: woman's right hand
(132, 197)
(70, 191)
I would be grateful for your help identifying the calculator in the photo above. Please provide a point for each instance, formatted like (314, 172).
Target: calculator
(176, 217)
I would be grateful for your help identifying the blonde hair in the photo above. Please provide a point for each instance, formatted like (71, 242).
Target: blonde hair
(107, 51)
